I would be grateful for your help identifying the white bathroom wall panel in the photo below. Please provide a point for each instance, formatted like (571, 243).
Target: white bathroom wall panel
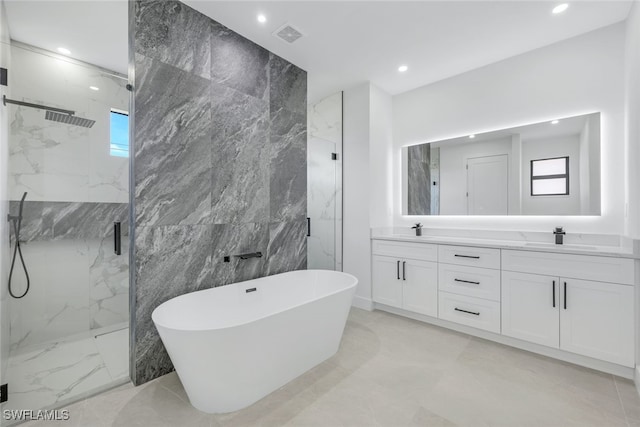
(544, 149)
(632, 112)
(357, 188)
(381, 155)
(58, 162)
(576, 76)
(5, 59)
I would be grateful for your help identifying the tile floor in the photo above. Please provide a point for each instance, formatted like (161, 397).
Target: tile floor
(48, 375)
(392, 371)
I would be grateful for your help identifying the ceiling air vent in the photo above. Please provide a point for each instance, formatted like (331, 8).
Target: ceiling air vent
(288, 33)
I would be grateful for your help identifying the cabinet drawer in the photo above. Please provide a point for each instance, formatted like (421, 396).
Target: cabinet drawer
(420, 251)
(603, 269)
(470, 281)
(465, 255)
(475, 312)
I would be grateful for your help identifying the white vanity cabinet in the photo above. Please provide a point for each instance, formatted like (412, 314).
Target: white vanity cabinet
(576, 307)
(405, 275)
(587, 317)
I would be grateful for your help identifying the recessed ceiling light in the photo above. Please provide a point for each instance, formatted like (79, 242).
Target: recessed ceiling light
(472, 136)
(262, 19)
(94, 88)
(64, 51)
(560, 8)
(403, 68)
(555, 122)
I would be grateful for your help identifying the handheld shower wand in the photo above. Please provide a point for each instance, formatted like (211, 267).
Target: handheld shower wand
(16, 221)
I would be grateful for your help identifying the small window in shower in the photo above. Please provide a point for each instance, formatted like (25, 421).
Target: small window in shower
(119, 133)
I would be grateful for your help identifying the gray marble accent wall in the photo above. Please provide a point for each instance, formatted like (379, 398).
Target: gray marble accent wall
(419, 180)
(220, 164)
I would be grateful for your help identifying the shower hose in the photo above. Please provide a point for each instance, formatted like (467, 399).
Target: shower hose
(17, 223)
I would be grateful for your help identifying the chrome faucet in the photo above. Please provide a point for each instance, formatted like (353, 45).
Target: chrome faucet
(559, 233)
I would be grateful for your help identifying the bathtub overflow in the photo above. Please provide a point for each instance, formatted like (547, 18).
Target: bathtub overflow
(251, 290)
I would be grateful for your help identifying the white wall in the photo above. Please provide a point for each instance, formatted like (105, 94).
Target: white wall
(632, 118)
(381, 166)
(356, 188)
(548, 148)
(577, 76)
(5, 58)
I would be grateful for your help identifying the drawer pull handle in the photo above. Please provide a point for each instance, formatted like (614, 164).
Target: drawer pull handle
(466, 311)
(466, 281)
(404, 268)
(565, 295)
(398, 269)
(554, 294)
(467, 256)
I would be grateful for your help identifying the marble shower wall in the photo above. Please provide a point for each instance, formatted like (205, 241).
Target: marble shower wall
(220, 163)
(419, 179)
(324, 204)
(76, 190)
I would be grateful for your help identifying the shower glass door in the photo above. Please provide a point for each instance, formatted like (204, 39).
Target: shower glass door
(67, 297)
(324, 182)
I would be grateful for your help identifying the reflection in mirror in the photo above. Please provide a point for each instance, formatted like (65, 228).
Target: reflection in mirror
(548, 168)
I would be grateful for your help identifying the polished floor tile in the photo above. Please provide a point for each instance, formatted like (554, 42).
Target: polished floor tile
(394, 372)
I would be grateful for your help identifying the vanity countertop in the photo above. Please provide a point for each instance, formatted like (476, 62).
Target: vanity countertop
(569, 248)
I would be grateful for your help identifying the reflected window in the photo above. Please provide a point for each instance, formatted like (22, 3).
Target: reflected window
(550, 177)
(119, 134)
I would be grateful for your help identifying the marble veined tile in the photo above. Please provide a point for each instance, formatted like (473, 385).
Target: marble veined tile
(325, 118)
(56, 372)
(240, 153)
(237, 239)
(288, 169)
(172, 147)
(175, 34)
(287, 86)
(238, 63)
(57, 304)
(287, 247)
(109, 286)
(170, 261)
(114, 350)
(69, 220)
(419, 181)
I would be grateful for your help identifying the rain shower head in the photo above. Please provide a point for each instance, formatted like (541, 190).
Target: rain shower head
(54, 114)
(68, 119)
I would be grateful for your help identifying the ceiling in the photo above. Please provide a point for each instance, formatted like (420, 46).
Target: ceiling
(345, 42)
(95, 31)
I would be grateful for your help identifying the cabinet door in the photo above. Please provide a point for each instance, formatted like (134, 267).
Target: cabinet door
(420, 286)
(387, 281)
(596, 320)
(530, 308)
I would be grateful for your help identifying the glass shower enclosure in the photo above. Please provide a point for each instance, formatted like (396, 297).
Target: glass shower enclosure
(65, 277)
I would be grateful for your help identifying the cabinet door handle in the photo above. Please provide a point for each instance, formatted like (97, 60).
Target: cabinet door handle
(466, 281)
(565, 295)
(467, 256)
(475, 313)
(398, 269)
(554, 294)
(404, 273)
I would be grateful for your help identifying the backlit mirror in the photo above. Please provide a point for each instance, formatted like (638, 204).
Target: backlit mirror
(548, 168)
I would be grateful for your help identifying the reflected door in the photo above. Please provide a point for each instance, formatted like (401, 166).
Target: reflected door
(487, 185)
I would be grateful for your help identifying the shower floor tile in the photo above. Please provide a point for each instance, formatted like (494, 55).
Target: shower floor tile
(114, 348)
(52, 374)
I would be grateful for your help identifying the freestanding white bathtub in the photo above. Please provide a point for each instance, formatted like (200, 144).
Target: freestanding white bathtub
(233, 345)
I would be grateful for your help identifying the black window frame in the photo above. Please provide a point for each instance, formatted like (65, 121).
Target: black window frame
(538, 177)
